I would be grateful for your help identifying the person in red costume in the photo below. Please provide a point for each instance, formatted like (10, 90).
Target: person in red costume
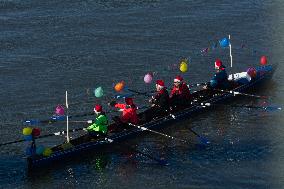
(159, 102)
(129, 114)
(180, 96)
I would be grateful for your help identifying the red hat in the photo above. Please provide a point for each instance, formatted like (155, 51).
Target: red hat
(160, 82)
(129, 101)
(178, 79)
(98, 108)
(219, 65)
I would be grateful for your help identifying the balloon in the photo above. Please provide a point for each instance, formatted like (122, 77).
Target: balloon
(224, 42)
(28, 137)
(263, 60)
(29, 151)
(119, 86)
(59, 110)
(39, 150)
(183, 66)
(36, 132)
(27, 131)
(252, 72)
(47, 152)
(99, 92)
(213, 83)
(148, 78)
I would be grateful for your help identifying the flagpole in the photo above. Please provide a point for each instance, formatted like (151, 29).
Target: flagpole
(230, 51)
(67, 118)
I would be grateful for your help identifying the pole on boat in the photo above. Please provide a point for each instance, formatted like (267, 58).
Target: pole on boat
(67, 118)
(230, 51)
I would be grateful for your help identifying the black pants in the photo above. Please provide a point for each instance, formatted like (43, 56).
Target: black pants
(119, 125)
(95, 135)
(179, 103)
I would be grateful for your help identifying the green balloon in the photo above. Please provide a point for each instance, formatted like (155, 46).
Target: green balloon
(99, 92)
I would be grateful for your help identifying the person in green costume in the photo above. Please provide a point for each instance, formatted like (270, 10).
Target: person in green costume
(100, 126)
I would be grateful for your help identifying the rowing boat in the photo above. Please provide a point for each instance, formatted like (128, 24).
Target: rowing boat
(81, 145)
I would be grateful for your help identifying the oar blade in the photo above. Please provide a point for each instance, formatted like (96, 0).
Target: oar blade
(272, 108)
(163, 162)
(204, 140)
(31, 122)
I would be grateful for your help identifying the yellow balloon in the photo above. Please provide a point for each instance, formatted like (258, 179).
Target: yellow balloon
(47, 152)
(183, 66)
(27, 131)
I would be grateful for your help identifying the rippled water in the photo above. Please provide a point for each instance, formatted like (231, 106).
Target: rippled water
(48, 47)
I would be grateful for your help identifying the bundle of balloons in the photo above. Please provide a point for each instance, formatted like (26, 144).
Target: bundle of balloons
(29, 135)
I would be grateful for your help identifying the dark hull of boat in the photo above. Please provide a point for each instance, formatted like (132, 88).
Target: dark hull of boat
(264, 73)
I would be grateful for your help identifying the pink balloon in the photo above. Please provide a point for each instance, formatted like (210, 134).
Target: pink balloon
(59, 110)
(148, 78)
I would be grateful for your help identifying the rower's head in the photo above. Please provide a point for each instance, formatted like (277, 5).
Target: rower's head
(129, 101)
(98, 109)
(219, 65)
(160, 85)
(178, 80)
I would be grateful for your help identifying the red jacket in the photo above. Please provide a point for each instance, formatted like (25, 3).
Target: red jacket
(129, 114)
(182, 91)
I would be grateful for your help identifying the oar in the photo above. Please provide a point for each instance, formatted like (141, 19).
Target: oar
(156, 132)
(239, 93)
(54, 119)
(201, 139)
(197, 84)
(141, 93)
(160, 161)
(59, 133)
(269, 108)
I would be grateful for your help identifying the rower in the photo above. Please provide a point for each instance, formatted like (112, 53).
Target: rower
(220, 79)
(159, 102)
(180, 96)
(99, 128)
(129, 114)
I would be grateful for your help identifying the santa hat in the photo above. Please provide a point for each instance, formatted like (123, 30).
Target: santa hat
(160, 83)
(219, 65)
(129, 101)
(98, 108)
(178, 79)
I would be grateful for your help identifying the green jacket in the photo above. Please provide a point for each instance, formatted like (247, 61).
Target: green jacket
(100, 124)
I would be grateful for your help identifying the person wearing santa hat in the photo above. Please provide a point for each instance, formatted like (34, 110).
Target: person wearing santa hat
(220, 79)
(100, 126)
(129, 114)
(159, 103)
(180, 96)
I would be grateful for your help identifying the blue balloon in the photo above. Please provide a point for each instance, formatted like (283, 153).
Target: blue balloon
(30, 151)
(213, 83)
(224, 42)
(28, 137)
(39, 150)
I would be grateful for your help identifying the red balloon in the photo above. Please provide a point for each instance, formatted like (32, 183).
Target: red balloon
(36, 132)
(252, 72)
(263, 60)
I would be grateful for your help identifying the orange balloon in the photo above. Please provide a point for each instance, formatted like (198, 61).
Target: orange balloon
(119, 86)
